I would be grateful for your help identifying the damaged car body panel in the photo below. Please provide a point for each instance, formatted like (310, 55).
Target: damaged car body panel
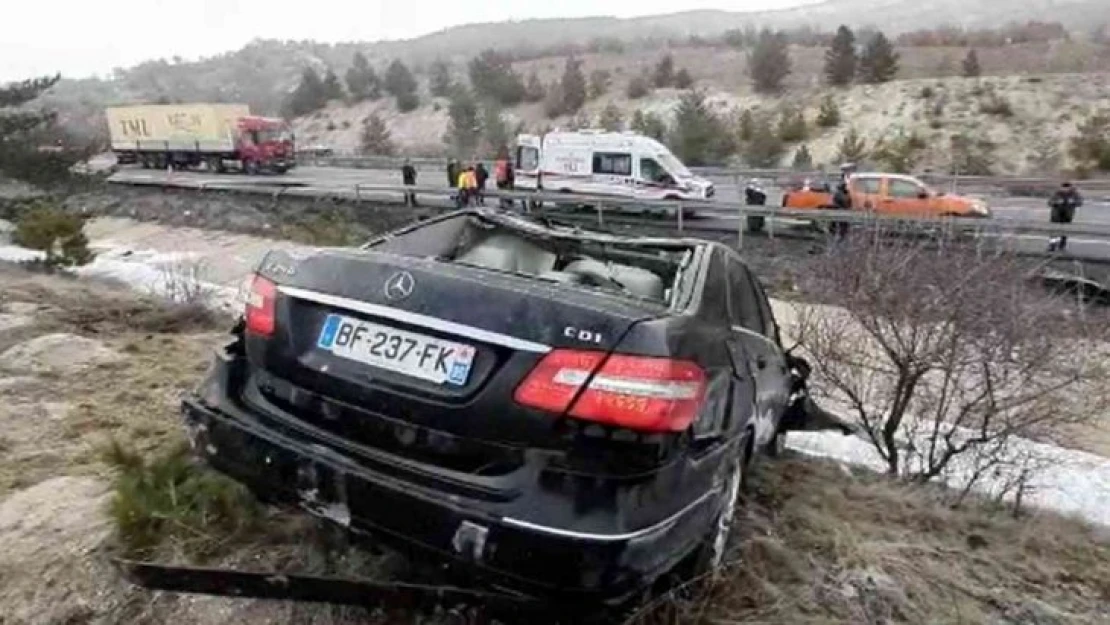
(559, 410)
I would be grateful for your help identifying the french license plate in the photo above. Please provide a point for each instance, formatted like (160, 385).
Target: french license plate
(396, 350)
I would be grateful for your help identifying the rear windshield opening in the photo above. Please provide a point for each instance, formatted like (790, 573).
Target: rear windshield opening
(635, 270)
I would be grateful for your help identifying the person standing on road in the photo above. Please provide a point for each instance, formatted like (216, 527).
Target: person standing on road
(408, 178)
(453, 177)
(481, 175)
(468, 186)
(1063, 204)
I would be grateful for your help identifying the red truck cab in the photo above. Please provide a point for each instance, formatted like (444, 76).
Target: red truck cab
(265, 143)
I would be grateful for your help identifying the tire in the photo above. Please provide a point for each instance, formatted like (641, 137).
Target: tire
(250, 168)
(215, 164)
(709, 558)
(756, 223)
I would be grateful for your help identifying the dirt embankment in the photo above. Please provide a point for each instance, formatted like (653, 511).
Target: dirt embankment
(84, 362)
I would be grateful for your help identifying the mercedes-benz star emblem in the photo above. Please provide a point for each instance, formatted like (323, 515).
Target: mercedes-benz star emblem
(399, 285)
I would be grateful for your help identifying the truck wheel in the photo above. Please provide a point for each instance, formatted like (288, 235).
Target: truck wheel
(215, 164)
(755, 223)
(251, 167)
(145, 161)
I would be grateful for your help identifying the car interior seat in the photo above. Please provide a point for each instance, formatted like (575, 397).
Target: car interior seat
(506, 252)
(637, 281)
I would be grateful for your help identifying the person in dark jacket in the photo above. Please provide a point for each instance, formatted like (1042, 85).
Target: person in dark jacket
(1063, 204)
(408, 178)
(453, 172)
(842, 199)
(481, 175)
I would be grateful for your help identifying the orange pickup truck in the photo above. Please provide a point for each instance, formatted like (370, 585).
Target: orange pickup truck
(892, 194)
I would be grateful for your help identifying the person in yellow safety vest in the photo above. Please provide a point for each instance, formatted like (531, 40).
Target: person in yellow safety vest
(468, 186)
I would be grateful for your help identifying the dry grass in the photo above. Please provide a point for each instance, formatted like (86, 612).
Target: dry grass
(828, 546)
(55, 422)
(821, 545)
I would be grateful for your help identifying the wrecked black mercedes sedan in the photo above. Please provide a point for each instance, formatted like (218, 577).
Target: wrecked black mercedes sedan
(562, 412)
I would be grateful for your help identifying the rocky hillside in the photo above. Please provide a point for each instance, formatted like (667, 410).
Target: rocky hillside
(263, 73)
(1019, 124)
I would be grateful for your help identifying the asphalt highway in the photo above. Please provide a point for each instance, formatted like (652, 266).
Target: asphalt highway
(335, 181)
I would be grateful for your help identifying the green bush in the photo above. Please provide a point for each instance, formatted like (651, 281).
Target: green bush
(829, 114)
(56, 233)
(170, 498)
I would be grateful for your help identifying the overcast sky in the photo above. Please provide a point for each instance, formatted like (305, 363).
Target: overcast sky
(81, 37)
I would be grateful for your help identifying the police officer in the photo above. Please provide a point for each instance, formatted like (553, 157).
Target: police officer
(1063, 204)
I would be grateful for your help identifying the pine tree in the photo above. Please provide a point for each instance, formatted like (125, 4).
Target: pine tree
(362, 81)
(971, 64)
(637, 88)
(683, 79)
(20, 130)
(649, 125)
(611, 118)
(769, 61)
(829, 114)
(879, 61)
(840, 58)
(746, 125)
(663, 76)
(463, 127)
(534, 91)
(803, 160)
(492, 77)
(699, 136)
(401, 84)
(572, 88)
(333, 89)
(441, 83)
(765, 149)
(599, 83)
(495, 131)
(376, 138)
(792, 125)
(852, 147)
(309, 96)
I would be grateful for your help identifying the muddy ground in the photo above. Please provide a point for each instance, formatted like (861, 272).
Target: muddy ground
(84, 363)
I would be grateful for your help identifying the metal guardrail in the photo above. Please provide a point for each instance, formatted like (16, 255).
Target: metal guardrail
(778, 175)
(688, 216)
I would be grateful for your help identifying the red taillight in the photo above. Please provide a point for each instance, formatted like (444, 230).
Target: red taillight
(260, 312)
(556, 379)
(635, 392)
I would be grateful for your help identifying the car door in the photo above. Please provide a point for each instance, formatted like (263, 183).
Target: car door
(903, 197)
(867, 192)
(752, 346)
(652, 181)
(778, 381)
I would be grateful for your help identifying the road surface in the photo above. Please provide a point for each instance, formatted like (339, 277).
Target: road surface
(314, 181)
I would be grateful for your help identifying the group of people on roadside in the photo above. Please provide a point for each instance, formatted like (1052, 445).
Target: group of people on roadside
(467, 181)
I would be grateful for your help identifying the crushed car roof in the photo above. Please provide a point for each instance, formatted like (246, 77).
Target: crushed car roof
(541, 227)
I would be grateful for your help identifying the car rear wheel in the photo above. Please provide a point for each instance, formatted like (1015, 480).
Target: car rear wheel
(709, 559)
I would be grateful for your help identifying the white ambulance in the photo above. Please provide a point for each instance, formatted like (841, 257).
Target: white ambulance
(598, 162)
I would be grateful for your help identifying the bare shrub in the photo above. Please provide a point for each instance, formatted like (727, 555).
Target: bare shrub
(949, 356)
(183, 281)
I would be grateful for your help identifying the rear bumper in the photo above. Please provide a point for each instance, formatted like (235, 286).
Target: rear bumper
(494, 550)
